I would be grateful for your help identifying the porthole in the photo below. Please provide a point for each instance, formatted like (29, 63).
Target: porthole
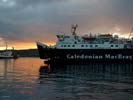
(91, 45)
(68, 45)
(82, 45)
(73, 45)
(116, 45)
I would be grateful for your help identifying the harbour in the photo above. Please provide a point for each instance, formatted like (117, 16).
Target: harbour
(66, 49)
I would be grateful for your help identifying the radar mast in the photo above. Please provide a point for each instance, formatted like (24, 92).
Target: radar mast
(73, 29)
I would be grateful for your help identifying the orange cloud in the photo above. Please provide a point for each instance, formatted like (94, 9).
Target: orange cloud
(23, 45)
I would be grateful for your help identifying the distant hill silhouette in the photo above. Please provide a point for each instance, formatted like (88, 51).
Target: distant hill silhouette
(28, 53)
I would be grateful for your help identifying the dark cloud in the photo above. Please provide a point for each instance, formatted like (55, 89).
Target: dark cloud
(36, 1)
(32, 20)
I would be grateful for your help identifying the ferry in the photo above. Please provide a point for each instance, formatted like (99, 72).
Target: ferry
(88, 48)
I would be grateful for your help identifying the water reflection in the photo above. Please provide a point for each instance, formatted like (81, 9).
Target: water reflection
(30, 79)
(106, 71)
(90, 81)
(4, 64)
(18, 78)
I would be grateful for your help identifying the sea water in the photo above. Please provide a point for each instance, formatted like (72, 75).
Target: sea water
(31, 79)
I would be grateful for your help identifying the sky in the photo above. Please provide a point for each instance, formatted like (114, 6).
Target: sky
(23, 22)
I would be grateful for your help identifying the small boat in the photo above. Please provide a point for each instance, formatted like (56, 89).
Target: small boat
(8, 54)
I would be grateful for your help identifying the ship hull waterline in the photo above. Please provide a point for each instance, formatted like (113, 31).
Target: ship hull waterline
(86, 55)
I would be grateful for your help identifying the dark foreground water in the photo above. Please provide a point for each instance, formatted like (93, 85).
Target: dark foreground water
(30, 79)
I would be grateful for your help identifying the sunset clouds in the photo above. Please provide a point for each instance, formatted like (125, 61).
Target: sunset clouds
(33, 20)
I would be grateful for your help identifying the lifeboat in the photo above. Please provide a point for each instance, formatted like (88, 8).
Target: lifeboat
(106, 35)
(88, 38)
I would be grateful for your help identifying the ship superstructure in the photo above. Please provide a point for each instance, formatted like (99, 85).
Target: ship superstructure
(88, 41)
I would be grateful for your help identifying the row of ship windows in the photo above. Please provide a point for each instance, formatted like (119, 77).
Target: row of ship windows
(86, 46)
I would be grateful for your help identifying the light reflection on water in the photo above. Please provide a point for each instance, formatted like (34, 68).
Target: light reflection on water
(30, 79)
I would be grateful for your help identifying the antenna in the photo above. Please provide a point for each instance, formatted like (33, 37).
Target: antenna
(73, 29)
(131, 33)
(6, 45)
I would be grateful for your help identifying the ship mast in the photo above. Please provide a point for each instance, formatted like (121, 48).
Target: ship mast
(6, 46)
(73, 29)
